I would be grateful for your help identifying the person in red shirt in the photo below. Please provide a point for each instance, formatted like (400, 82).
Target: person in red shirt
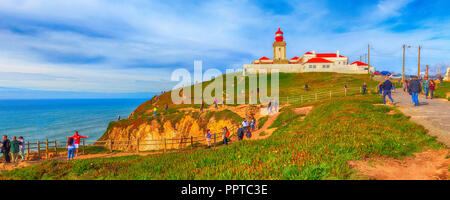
(76, 137)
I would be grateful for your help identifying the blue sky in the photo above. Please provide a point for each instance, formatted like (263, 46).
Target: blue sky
(120, 46)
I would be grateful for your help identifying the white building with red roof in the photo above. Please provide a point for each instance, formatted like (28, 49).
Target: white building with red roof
(308, 62)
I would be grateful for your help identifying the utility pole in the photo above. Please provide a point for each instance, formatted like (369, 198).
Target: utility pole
(368, 59)
(418, 66)
(427, 72)
(360, 58)
(403, 74)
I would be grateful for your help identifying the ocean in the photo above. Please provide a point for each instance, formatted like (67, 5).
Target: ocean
(58, 118)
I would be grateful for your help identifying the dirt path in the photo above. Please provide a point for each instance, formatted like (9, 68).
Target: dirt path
(433, 114)
(256, 135)
(427, 165)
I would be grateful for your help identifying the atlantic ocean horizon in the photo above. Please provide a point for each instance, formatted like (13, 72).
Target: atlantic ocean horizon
(58, 118)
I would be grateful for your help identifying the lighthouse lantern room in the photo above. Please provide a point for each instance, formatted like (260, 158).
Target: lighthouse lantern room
(279, 49)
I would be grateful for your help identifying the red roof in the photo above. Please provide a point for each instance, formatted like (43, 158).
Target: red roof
(327, 55)
(318, 60)
(308, 52)
(264, 58)
(294, 58)
(358, 63)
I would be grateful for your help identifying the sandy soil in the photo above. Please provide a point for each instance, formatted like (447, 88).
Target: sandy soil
(427, 165)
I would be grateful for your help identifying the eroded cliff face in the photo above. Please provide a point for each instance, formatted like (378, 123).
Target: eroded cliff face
(151, 134)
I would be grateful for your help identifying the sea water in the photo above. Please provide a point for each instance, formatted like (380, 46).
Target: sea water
(58, 118)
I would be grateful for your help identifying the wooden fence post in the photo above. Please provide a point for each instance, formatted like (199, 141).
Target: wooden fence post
(28, 150)
(110, 145)
(316, 96)
(137, 145)
(345, 91)
(301, 98)
(84, 147)
(46, 148)
(56, 148)
(360, 90)
(287, 100)
(214, 139)
(164, 145)
(192, 142)
(39, 150)
(330, 94)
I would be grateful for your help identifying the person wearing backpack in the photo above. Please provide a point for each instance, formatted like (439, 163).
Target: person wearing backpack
(208, 138)
(6, 146)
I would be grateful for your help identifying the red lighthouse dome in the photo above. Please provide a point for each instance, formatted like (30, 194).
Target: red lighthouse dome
(279, 35)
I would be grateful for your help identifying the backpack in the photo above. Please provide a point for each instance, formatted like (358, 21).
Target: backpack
(227, 135)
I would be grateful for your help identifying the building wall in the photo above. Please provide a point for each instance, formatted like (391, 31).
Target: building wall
(299, 68)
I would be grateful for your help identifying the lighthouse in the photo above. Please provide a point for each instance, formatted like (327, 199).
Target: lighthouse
(279, 48)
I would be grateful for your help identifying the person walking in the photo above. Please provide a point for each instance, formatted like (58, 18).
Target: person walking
(208, 138)
(154, 111)
(252, 124)
(306, 87)
(167, 106)
(387, 88)
(77, 137)
(364, 88)
(15, 147)
(432, 87)
(22, 148)
(70, 148)
(215, 104)
(6, 146)
(240, 133)
(426, 87)
(415, 89)
(245, 124)
(225, 135)
(203, 106)
(345, 89)
(275, 104)
(269, 108)
(405, 86)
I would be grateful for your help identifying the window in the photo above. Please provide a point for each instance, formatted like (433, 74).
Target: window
(310, 66)
(314, 66)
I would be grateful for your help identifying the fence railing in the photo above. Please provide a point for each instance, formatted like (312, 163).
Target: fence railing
(51, 148)
(320, 95)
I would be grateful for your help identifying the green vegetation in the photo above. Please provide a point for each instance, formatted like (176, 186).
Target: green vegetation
(442, 90)
(262, 120)
(317, 147)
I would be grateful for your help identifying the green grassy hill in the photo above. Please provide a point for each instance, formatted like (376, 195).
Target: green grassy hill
(319, 146)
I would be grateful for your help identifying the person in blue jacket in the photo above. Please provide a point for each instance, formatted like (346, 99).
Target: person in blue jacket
(415, 89)
(386, 86)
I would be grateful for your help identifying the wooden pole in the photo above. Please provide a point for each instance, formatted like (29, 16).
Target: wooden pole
(316, 96)
(368, 59)
(330, 94)
(214, 140)
(39, 149)
(137, 145)
(110, 145)
(164, 145)
(403, 74)
(192, 142)
(56, 148)
(84, 147)
(28, 150)
(418, 65)
(301, 98)
(46, 148)
(287, 100)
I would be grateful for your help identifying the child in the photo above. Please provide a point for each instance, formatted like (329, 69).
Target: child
(70, 148)
(22, 148)
(208, 138)
(252, 123)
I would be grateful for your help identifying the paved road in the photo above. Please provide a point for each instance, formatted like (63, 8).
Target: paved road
(433, 114)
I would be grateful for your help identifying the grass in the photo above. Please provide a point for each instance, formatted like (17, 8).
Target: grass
(318, 147)
(442, 90)
(262, 120)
